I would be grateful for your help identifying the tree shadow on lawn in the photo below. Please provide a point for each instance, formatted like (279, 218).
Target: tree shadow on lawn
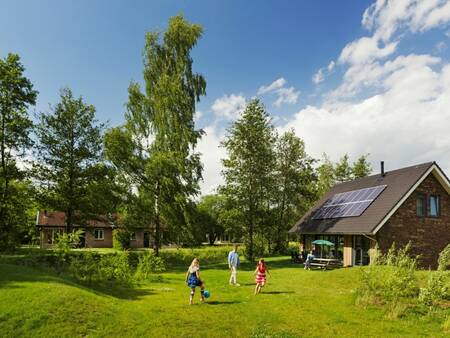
(11, 274)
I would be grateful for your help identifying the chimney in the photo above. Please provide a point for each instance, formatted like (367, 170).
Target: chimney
(382, 169)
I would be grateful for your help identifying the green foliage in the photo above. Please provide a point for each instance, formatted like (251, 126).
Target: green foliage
(121, 238)
(65, 242)
(330, 173)
(16, 96)
(148, 265)
(248, 170)
(392, 279)
(154, 150)
(294, 188)
(70, 168)
(208, 217)
(115, 268)
(206, 255)
(361, 167)
(444, 259)
(343, 170)
(85, 266)
(436, 290)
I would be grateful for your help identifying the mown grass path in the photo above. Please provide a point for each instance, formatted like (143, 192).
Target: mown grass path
(295, 303)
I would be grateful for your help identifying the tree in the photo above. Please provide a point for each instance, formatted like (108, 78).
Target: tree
(326, 176)
(295, 185)
(361, 167)
(71, 171)
(343, 170)
(16, 95)
(248, 169)
(155, 149)
(210, 209)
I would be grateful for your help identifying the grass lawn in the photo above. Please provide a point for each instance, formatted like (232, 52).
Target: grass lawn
(296, 303)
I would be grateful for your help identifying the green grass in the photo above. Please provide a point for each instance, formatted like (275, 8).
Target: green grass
(295, 303)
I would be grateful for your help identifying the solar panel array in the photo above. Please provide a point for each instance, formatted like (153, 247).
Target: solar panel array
(348, 204)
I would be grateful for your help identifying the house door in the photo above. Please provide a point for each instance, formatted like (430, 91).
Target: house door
(361, 245)
(146, 240)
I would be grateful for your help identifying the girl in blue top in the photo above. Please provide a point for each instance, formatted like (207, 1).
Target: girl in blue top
(193, 280)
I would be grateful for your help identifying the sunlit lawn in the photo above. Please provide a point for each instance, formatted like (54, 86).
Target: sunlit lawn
(295, 303)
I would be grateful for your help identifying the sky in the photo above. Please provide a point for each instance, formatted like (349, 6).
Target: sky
(356, 77)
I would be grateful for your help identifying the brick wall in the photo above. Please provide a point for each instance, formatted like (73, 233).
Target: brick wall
(91, 242)
(428, 235)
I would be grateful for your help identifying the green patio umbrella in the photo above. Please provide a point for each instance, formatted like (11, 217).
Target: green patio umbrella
(322, 242)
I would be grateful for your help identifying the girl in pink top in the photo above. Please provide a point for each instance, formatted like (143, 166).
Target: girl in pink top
(260, 272)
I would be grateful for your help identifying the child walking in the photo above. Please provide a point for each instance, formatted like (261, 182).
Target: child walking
(193, 280)
(260, 273)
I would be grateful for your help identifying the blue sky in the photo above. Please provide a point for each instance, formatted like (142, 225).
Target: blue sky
(348, 76)
(95, 47)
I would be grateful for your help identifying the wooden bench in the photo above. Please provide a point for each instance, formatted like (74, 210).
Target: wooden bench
(324, 263)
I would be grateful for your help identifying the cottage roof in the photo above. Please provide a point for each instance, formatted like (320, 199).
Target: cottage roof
(399, 185)
(58, 219)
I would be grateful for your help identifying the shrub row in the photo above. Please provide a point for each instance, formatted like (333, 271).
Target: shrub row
(121, 267)
(391, 280)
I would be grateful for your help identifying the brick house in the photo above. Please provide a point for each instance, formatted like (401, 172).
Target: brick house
(98, 233)
(408, 204)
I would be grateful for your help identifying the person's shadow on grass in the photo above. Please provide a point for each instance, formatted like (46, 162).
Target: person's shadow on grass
(276, 292)
(224, 302)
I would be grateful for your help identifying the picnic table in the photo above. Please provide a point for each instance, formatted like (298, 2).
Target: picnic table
(324, 263)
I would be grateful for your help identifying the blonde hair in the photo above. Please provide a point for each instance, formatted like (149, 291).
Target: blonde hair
(195, 262)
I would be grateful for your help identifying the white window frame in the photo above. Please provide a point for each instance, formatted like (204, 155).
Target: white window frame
(99, 231)
(133, 236)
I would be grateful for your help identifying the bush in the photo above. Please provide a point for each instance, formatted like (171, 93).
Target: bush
(64, 243)
(115, 267)
(84, 266)
(394, 278)
(206, 255)
(121, 239)
(437, 289)
(444, 259)
(148, 265)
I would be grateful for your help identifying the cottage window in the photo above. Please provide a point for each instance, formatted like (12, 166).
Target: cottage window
(99, 234)
(421, 205)
(133, 236)
(433, 210)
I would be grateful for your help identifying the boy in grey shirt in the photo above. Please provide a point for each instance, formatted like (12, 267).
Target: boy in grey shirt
(233, 263)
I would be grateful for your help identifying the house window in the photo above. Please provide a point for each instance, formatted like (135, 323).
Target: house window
(133, 236)
(421, 205)
(433, 206)
(99, 234)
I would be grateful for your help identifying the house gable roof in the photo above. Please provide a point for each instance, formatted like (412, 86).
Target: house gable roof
(400, 185)
(58, 219)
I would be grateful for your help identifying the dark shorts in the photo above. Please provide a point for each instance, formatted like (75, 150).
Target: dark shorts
(192, 283)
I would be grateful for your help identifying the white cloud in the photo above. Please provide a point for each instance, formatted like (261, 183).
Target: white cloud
(365, 50)
(391, 106)
(318, 77)
(229, 106)
(440, 46)
(212, 153)
(279, 83)
(286, 95)
(406, 124)
(331, 66)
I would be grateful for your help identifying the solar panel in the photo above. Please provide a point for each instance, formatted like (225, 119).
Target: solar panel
(348, 204)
